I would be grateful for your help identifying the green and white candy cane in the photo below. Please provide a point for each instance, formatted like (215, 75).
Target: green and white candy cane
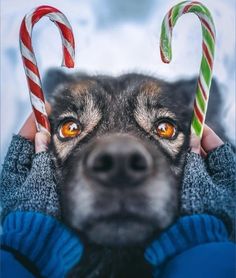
(208, 49)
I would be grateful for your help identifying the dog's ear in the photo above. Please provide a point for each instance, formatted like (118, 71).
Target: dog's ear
(185, 91)
(52, 79)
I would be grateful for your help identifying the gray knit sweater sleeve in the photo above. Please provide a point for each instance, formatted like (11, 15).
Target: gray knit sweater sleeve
(209, 186)
(27, 180)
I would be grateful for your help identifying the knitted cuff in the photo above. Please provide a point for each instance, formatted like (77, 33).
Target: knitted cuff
(212, 194)
(36, 192)
(222, 159)
(188, 232)
(194, 159)
(43, 167)
(195, 185)
(40, 189)
(48, 244)
(19, 155)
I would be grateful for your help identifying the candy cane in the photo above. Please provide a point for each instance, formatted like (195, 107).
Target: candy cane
(29, 60)
(208, 48)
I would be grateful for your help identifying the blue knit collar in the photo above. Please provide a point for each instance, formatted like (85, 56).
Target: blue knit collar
(186, 233)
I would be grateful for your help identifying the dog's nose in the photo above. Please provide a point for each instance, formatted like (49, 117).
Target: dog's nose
(119, 161)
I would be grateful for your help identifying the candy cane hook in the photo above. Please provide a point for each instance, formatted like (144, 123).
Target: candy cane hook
(29, 60)
(208, 49)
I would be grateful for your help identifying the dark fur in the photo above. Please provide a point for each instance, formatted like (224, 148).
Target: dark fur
(115, 101)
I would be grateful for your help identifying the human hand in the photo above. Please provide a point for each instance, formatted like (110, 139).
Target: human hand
(209, 179)
(28, 181)
(209, 142)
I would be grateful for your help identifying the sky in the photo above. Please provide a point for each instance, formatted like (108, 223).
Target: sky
(113, 37)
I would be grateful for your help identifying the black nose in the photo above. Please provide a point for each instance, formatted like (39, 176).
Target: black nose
(119, 161)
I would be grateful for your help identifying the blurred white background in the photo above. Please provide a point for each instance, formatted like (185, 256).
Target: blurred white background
(113, 37)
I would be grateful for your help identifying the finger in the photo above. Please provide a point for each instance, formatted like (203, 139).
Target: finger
(195, 144)
(42, 140)
(29, 129)
(210, 140)
(203, 153)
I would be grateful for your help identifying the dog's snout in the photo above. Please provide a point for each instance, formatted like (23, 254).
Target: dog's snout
(119, 161)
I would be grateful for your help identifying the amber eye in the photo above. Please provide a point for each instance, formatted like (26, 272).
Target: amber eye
(166, 130)
(69, 129)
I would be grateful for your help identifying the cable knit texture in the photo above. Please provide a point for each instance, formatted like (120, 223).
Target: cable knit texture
(209, 185)
(188, 232)
(47, 243)
(185, 236)
(28, 181)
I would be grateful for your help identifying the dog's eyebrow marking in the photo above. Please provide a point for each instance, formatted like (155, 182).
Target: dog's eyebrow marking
(150, 88)
(165, 113)
(82, 87)
(68, 114)
(146, 117)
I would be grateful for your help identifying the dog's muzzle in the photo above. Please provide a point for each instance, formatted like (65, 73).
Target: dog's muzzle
(118, 161)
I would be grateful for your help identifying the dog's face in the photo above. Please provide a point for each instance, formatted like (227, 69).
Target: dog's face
(119, 145)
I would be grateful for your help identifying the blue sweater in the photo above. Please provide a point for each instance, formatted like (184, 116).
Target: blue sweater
(36, 245)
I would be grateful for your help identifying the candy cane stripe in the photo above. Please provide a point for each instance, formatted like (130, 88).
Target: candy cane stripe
(200, 105)
(203, 84)
(25, 36)
(207, 55)
(31, 66)
(200, 100)
(68, 60)
(33, 76)
(41, 119)
(38, 104)
(170, 18)
(210, 44)
(59, 18)
(67, 35)
(196, 126)
(198, 114)
(202, 89)
(42, 11)
(187, 8)
(208, 28)
(208, 49)
(36, 90)
(29, 60)
(27, 54)
(207, 70)
(28, 23)
(68, 47)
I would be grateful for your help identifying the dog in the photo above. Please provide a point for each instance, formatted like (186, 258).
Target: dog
(119, 145)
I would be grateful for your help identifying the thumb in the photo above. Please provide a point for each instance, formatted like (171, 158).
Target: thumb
(42, 140)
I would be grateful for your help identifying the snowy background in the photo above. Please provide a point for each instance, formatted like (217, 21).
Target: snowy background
(113, 37)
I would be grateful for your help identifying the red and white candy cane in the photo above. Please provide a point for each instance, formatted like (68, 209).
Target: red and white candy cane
(29, 60)
(208, 49)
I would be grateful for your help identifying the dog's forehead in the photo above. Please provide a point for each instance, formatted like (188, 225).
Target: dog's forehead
(116, 89)
(117, 98)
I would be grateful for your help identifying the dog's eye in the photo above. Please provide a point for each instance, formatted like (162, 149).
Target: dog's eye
(69, 129)
(165, 130)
